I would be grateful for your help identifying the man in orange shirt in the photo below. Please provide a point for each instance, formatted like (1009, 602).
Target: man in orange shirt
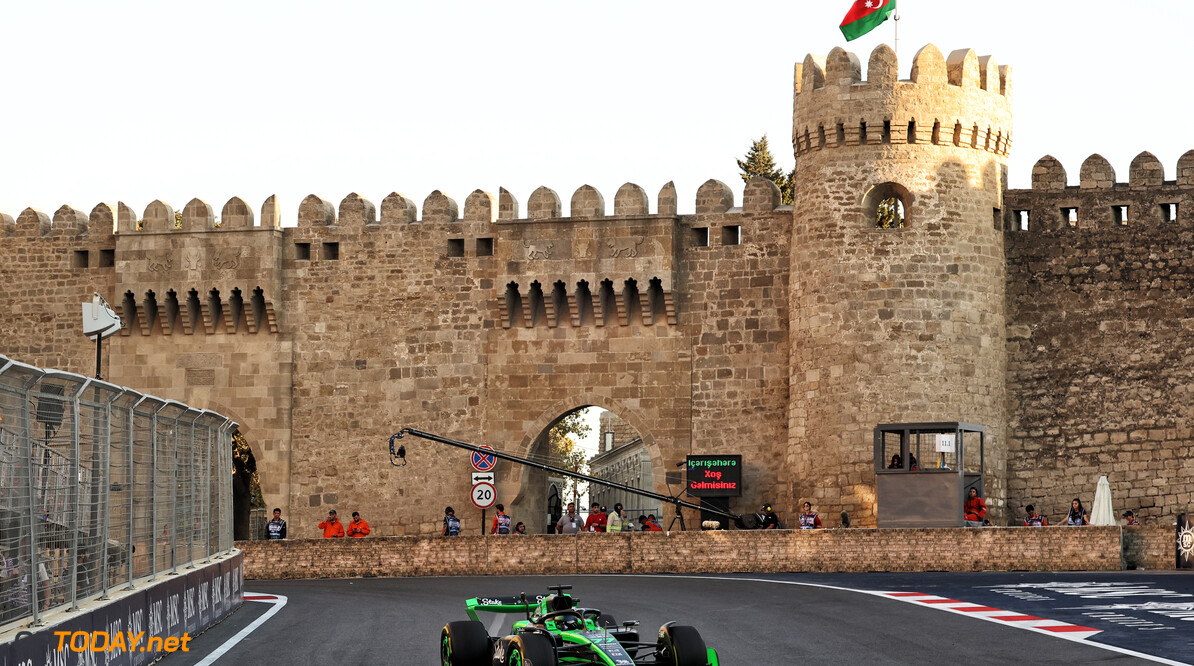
(974, 512)
(357, 528)
(332, 529)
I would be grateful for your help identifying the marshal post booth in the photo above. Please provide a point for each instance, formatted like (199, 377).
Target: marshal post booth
(925, 470)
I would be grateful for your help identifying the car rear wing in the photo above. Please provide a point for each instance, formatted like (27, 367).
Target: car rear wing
(512, 604)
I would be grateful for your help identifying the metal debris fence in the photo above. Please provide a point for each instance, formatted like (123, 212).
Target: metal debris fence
(111, 486)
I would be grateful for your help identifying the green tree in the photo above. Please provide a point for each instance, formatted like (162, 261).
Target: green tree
(563, 439)
(759, 162)
(890, 214)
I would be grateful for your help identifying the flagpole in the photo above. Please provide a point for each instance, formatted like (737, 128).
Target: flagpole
(896, 22)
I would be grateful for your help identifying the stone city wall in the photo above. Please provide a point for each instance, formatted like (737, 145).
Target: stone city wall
(832, 550)
(1100, 319)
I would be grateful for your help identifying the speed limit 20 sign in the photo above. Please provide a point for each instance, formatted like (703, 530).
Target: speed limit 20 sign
(484, 495)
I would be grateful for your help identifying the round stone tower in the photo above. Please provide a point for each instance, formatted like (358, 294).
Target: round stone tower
(900, 324)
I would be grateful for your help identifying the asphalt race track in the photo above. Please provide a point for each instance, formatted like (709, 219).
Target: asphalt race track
(397, 621)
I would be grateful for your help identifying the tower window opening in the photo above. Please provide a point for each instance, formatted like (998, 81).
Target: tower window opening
(1169, 212)
(841, 134)
(974, 136)
(885, 206)
(862, 134)
(455, 247)
(997, 216)
(700, 237)
(912, 131)
(302, 251)
(107, 258)
(1120, 215)
(1070, 215)
(936, 132)
(79, 259)
(886, 131)
(957, 134)
(987, 140)
(1021, 218)
(820, 136)
(808, 140)
(330, 252)
(484, 247)
(731, 235)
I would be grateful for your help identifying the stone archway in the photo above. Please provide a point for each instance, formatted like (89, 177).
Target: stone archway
(529, 486)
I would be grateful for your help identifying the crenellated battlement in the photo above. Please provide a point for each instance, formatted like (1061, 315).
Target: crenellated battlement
(1099, 200)
(586, 203)
(962, 101)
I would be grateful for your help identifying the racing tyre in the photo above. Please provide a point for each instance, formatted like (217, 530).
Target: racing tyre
(531, 650)
(464, 643)
(681, 645)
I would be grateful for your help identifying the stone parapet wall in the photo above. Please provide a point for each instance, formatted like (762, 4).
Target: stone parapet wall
(837, 550)
(1149, 547)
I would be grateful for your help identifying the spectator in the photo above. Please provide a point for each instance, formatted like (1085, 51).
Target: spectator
(451, 523)
(501, 522)
(770, 520)
(975, 509)
(808, 519)
(896, 462)
(332, 529)
(596, 520)
(569, 523)
(520, 528)
(1131, 519)
(275, 529)
(1077, 515)
(649, 524)
(618, 521)
(913, 464)
(356, 527)
(1034, 519)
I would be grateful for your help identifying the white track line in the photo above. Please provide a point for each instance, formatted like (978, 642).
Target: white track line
(885, 595)
(276, 600)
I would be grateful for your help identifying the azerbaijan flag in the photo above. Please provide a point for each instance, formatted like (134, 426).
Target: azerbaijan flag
(865, 16)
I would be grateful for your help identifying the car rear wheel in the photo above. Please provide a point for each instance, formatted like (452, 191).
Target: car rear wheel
(531, 649)
(464, 643)
(680, 645)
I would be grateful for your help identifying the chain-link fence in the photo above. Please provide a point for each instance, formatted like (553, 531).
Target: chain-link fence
(102, 488)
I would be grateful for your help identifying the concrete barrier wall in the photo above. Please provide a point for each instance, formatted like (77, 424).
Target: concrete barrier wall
(833, 550)
(187, 603)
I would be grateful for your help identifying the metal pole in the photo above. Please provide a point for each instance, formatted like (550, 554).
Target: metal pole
(132, 490)
(75, 501)
(99, 346)
(896, 21)
(30, 493)
(106, 511)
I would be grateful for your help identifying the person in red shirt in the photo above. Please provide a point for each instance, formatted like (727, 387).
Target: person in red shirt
(596, 520)
(1034, 519)
(975, 509)
(332, 529)
(1130, 518)
(501, 522)
(649, 525)
(809, 520)
(357, 528)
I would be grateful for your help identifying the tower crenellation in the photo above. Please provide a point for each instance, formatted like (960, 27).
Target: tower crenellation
(964, 101)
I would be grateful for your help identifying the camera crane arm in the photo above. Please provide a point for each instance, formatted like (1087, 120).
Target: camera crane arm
(400, 453)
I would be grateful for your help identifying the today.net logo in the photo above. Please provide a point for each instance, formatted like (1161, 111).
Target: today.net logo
(124, 641)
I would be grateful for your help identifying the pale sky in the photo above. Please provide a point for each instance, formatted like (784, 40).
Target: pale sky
(137, 101)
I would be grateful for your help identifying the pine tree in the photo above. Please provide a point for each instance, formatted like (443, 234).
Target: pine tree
(759, 162)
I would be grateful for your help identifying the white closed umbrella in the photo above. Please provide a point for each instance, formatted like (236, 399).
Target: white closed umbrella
(1101, 513)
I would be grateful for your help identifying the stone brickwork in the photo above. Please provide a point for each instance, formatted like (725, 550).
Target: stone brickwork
(837, 550)
(1101, 315)
(781, 333)
(1150, 547)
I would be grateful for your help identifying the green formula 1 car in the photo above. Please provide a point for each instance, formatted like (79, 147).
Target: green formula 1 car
(557, 631)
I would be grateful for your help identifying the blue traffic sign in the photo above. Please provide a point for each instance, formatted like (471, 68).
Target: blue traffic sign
(483, 462)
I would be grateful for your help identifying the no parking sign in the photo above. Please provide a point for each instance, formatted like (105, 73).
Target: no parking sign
(484, 462)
